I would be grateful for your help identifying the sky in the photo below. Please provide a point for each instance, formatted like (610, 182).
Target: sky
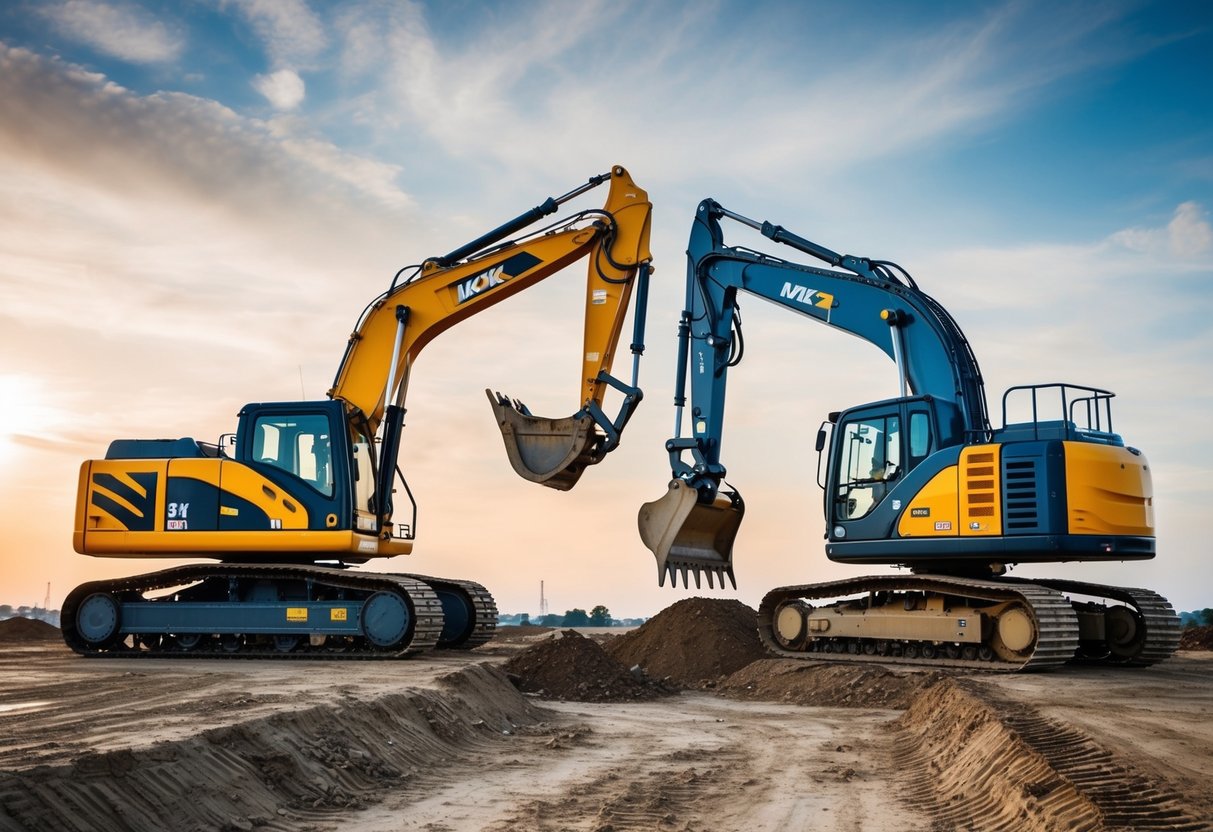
(198, 198)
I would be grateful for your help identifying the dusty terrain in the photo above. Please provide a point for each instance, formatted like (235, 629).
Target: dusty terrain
(448, 742)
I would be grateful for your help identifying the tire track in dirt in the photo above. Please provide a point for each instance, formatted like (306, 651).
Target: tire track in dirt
(982, 762)
(677, 792)
(721, 765)
(101, 708)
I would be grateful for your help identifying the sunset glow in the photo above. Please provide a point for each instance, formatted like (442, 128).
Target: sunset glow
(198, 199)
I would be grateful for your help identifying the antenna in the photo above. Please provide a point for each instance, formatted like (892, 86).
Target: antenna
(302, 392)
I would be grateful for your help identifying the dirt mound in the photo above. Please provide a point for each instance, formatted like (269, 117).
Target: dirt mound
(813, 683)
(298, 769)
(15, 630)
(694, 641)
(988, 763)
(577, 668)
(1196, 638)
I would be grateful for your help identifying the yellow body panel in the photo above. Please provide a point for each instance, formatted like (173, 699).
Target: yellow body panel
(1110, 490)
(126, 482)
(961, 500)
(980, 491)
(934, 511)
(204, 470)
(120, 512)
(242, 481)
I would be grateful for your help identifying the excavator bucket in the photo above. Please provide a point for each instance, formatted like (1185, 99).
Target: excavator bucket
(688, 536)
(551, 452)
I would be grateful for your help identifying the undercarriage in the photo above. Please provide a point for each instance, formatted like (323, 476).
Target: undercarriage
(999, 624)
(226, 610)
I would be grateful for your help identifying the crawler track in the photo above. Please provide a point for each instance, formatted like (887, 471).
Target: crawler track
(1162, 628)
(424, 612)
(1056, 639)
(1055, 622)
(483, 607)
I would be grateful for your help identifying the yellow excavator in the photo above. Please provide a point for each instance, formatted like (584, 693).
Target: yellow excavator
(922, 481)
(301, 491)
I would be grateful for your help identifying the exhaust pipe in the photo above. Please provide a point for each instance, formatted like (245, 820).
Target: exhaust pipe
(687, 536)
(551, 452)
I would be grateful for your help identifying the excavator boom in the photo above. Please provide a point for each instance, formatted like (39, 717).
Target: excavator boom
(446, 290)
(692, 528)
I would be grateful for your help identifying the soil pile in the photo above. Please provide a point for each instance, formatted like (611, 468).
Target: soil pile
(692, 642)
(1196, 638)
(16, 630)
(838, 686)
(577, 668)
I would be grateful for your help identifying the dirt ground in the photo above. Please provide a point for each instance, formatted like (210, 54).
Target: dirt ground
(448, 742)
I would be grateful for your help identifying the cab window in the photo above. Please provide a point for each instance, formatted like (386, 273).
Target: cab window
(869, 459)
(299, 445)
(920, 438)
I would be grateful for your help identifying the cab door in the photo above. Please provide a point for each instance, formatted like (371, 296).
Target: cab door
(867, 460)
(874, 449)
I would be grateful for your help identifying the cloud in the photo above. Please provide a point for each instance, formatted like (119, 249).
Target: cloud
(541, 89)
(116, 29)
(181, 227)
(80, 124)
(292, 33)
(284, 89)
(375, 179)
(1126, 312)
(1187, 235)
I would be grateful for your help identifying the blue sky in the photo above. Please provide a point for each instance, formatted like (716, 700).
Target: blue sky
(196, 200)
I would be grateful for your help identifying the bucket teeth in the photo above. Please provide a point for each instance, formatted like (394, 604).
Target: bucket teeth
(715, 575)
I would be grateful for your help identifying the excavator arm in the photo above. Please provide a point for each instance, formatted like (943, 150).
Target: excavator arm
(373, 377)
(692, 528)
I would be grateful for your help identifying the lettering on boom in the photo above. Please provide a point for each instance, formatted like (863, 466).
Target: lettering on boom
(808, 297)
(476, 285)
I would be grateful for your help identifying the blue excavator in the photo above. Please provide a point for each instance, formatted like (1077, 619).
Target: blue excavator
(921, 481)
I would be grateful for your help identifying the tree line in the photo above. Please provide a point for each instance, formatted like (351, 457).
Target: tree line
(1197, 618)
(598, 616)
